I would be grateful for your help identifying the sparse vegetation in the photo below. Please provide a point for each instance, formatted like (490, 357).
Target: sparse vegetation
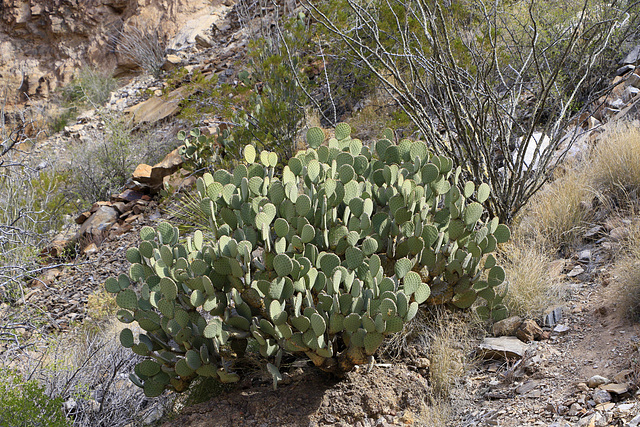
(24, 403)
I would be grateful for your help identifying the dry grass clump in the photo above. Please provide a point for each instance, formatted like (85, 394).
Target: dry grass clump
(531, 286)
(626, 273)
(615, 169)
(448, 350)
(557, 214)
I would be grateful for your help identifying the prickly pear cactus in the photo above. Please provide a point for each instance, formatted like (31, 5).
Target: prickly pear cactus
(198, 150)
(325, 260)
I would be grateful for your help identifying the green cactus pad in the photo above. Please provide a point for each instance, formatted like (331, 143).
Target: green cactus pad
(368, 324)
(278, 316)
(301, 323)
(502, 233)
(183, 369)
(369, 246)
(127, 299)
(489, 262)
(402, 267)
(422, 293)
(411, 312)
(281, 227)
(372, 341)
(496, 276)
(111, 285)
(169, 288)
(153, 388)
(282, 265)
(165, 230)
(315, 137)
(465, 299)
(147, 233)
(133, 255)
(483, 193)
(318, 324)
(249, 153)
(388, 309)
(167, 308)
(336, 323)
(213, 328)
(394, 325)
(148, 368)
(303, 205)
(238, 322)
(192, 359)
(411, 282)
(313, 170)
(328, 262)
(126, 338)
(354, 257)
(342, 131)
(472, 213)
(352, 322)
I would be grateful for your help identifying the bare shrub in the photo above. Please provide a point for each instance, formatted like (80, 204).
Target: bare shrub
(89, 88)
(31, 205)
(103, 166)
(479, 80)
(142, 47)
(625, 290)
(90, 370)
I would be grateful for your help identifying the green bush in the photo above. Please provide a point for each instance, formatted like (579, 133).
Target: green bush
(324, 261)
(25, 404)
(91, 88)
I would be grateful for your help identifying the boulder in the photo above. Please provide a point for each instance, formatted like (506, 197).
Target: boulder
(529, 331)
(507, 327)
(633, 57)
(502, 348)
(96, 227)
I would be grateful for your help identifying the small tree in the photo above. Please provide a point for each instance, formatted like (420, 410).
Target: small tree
(479, 78)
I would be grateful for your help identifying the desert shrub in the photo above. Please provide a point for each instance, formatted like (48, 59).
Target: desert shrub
(479, 80)
(103, 166)
(32, 206)
(90, 88)
(352, 241)
(24, 403)
(626, 274)
(88, 369)
(144, 48)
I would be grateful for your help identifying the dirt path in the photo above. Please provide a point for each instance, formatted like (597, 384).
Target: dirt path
(549, 386)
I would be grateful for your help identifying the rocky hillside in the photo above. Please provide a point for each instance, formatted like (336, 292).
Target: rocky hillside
(43, 43)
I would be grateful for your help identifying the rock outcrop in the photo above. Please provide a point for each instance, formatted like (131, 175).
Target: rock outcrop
(44, 42)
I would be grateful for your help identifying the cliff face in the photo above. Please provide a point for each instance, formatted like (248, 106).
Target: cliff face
(43, 42)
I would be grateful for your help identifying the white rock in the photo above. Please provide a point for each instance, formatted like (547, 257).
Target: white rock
(536, 145)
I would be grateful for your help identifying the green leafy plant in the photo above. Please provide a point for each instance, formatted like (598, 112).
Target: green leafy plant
(24, 403)
(199, 151)
(323, 261)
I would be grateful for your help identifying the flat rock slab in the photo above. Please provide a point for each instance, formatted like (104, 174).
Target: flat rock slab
(502, 348)
(158, 107)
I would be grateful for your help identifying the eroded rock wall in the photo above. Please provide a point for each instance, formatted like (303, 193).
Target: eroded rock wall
(44, 42)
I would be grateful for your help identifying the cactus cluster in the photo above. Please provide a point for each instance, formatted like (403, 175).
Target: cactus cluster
(198, 150)
(325, 260)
